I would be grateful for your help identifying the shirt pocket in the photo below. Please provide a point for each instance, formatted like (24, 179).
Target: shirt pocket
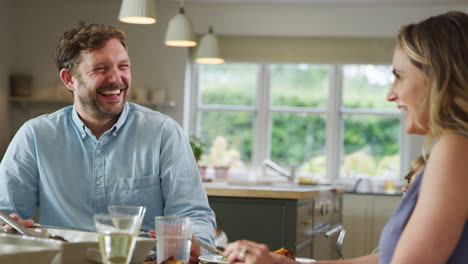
(144, 191)
(137, 183)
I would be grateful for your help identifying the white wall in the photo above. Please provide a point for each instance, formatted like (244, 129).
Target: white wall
(5, 49)
(358, 20)
(39, 24)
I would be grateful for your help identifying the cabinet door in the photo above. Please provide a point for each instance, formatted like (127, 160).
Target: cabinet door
(364, 216)
(356, 222)
(268, 221)
(382, 208)
(305, 251)
(305, 216)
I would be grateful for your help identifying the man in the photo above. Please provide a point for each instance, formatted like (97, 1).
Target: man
(102, 150)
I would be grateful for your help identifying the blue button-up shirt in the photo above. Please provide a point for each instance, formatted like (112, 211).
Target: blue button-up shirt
(55, 163)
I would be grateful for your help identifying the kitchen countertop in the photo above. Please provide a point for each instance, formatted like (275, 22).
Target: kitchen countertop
(268, 190)
(383, 193)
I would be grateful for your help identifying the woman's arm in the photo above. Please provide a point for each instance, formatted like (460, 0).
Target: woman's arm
(440, 214)
(249, 252)
(369, 259)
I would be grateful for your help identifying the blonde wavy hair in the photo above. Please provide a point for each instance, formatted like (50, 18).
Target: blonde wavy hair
(438, 46)
(416, 166)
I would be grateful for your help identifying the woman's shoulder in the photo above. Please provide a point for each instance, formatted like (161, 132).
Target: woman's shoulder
(448, 162)
(453, 143)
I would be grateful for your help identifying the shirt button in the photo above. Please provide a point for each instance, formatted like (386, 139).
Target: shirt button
(114, 134)
(98, 151)
(98, 182)
(83, 135)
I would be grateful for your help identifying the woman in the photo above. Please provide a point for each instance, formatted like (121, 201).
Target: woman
(431, 86)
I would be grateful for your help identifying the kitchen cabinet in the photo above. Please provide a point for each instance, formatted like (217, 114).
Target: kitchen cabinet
(286, 221)
(364, 216)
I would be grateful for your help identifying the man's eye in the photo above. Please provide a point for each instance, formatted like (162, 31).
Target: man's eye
(99, 69)
(125, 66)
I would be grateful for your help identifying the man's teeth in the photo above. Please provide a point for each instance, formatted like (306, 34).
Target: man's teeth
(109, 92)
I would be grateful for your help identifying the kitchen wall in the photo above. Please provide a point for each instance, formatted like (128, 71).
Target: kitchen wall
(5, 48)
(39, 24)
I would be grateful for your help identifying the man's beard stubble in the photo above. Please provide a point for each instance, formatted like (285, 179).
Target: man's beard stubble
(91, 103)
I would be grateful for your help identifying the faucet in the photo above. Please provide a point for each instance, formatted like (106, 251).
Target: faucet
(283, 172)
(356, 185)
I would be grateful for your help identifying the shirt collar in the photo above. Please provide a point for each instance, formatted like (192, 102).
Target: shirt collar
(84, 130)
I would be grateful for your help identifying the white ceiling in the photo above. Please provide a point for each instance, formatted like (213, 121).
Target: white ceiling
(341, 2)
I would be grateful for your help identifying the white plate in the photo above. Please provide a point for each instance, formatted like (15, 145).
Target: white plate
(219, 259)
(82, 246)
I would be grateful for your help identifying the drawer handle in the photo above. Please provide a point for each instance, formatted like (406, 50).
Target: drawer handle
(307, 222)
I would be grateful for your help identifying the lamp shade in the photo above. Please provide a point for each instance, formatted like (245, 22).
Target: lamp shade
(208, 51)
(179, 31)
(138, 11)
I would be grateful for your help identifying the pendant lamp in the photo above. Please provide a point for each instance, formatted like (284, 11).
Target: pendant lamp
(138, 11)
(208, 51)
(179, 31)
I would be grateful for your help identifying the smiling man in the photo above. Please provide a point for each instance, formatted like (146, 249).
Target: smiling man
(102, 151)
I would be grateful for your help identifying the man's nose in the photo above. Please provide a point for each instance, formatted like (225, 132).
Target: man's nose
(114, 75)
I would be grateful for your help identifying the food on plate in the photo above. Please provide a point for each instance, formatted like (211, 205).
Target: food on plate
(150, 260)
(58, 238)
(172, 260)
(289, 253)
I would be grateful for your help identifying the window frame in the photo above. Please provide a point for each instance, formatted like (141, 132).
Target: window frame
(263, 121)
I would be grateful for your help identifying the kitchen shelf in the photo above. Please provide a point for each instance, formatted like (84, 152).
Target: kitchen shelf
(47, 101)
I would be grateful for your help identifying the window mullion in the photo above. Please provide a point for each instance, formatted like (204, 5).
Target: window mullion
(334, 135)
(194, 113)
(262, 126)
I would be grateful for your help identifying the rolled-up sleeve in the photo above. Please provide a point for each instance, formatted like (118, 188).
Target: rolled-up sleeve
(19, 175)
(181, 184)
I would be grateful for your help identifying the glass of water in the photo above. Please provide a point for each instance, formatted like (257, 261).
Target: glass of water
(116, 236)
(173, 236)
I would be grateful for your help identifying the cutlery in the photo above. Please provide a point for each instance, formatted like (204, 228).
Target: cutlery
(14, 224)
(217, 250)
(37, 225)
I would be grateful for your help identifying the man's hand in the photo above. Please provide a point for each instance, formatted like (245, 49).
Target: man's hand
(26, 223)
(194, 249)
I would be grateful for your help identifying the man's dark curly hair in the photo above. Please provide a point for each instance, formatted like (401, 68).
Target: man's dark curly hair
(84, 38)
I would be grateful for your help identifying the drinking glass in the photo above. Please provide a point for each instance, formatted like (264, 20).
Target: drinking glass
(173, 238)
(116, 236)
(119, 210)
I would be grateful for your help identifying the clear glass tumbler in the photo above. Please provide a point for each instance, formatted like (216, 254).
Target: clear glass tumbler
(173, 236)
(131, 210)
(116, 236)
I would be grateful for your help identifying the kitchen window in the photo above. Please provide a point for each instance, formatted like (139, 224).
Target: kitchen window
(325, 120)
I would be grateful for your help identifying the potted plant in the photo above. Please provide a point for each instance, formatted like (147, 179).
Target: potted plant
(222, 158)
(198, 148)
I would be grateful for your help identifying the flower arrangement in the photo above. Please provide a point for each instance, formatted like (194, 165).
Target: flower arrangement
(220, 156)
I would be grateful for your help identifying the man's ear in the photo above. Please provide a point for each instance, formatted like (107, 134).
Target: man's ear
(67, 79)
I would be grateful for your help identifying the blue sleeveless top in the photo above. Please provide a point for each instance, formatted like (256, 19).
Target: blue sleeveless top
(393, 229)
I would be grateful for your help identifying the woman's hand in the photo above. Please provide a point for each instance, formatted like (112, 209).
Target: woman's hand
(249, 252)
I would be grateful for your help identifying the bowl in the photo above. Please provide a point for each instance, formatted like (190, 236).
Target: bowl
(18, 249)
(81, 247)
